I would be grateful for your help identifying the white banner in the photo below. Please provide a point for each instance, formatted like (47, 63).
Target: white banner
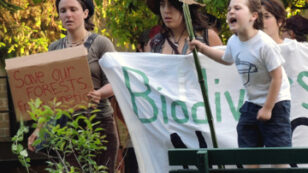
(162, 104)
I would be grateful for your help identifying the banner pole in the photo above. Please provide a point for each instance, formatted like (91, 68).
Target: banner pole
(200, 76)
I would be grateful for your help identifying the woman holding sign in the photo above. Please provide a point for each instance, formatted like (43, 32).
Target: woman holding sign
(173, 37)
(76, 19)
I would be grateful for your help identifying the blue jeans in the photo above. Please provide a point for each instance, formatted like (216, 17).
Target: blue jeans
(275, 132)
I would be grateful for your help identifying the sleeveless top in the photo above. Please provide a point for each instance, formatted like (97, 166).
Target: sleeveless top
(159, 39)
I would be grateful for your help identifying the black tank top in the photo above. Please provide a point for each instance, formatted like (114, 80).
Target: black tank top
(159, 39)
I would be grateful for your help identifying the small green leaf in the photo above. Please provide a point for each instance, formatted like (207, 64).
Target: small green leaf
(24, 153)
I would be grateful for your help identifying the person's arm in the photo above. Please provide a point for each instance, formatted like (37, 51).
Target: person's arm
(147, 47)
(104, 92)
(214, 39)
(212, 53)
(265, 113)
(33, 137)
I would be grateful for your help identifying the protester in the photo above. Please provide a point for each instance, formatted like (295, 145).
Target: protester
(297, 28)
(278, 27)
(173, 37)
(143, 40)
(76, 19)
(274, 17)
(294, 52)
(265, 116)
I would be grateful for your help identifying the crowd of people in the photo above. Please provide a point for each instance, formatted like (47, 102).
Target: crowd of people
(260, 32)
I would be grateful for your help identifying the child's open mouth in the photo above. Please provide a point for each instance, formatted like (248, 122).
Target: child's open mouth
(232, 20)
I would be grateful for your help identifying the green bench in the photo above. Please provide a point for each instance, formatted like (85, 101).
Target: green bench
(203, 160)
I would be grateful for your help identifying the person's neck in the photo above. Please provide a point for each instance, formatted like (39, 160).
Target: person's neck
(277, 38)
(178, 33)
(77, 35)
(247, 34)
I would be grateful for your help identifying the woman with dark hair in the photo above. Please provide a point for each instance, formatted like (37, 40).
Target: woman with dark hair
(297, 28)
(76, 19)
(173, 37)
(274, 23)
(274, 17)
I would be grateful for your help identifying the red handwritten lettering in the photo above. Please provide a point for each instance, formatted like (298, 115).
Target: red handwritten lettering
(80, 81)
(23, 107)
(28, 79)
(62, 74)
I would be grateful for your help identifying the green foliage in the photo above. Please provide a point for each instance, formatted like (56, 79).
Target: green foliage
(17, 147)
(27, 31)
(127, 19)
(9, 6)
(29, 26)
(78, 139)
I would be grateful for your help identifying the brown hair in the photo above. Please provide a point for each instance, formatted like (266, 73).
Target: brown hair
(255, 6)
(85, 4)
(276, 8)
(299, 25)
(199, 21)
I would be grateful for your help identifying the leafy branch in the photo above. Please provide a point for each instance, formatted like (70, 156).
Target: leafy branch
(18, 148)
(79, 138)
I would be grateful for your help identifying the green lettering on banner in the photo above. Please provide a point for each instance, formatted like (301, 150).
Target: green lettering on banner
(184, 109)
(217, 103)
(144, 94)
(235, 111)
(303, 84)
(164, 108)
(194, 113)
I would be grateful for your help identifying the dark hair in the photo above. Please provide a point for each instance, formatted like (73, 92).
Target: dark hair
(143, 39)
(199, 21)
(85, 4)
(299, 25)
(276, 8)
(255, 6)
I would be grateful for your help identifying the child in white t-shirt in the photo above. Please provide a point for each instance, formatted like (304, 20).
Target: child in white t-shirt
(265, 116)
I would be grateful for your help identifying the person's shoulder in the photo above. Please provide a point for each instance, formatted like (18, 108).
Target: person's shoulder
(55, 45)
(214, 39)
(103, 43)
(234, 38)
(265, 42)
(293, 45)
(156, 40)
(102, 39)
(266, 39)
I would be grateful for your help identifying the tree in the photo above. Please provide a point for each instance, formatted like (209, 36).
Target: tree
(29, 26)
(29, 30)
(129, 19)
(80, 139)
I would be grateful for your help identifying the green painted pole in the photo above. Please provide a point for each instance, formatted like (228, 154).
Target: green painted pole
(200, 76)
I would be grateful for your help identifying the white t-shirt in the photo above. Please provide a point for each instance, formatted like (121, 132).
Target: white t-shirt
(255, 59)
(296, 55)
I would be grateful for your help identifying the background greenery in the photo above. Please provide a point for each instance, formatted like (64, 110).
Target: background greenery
(29, 26)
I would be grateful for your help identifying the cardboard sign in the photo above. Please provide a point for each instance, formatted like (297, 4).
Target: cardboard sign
(62, 74)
